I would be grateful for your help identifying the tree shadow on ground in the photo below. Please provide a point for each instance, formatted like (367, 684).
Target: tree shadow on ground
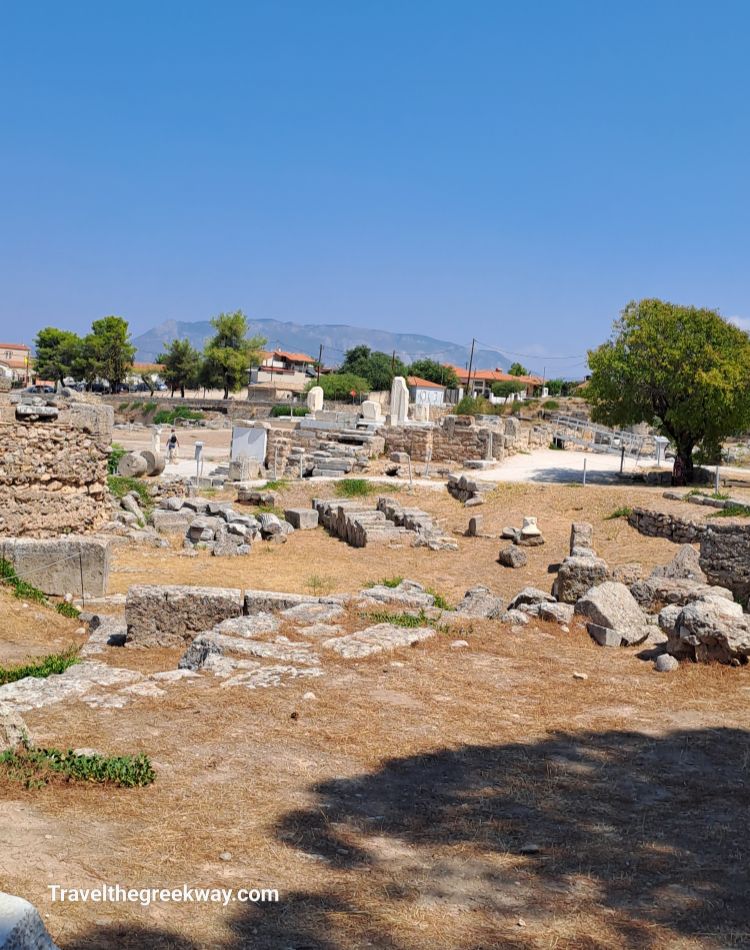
(646, 835)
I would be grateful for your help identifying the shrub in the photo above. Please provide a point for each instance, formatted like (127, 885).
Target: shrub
(148, 408)
(354, 487)
(440, 602)
(391, 582)
(732, 511)
(623, 512)
(277, 411)
(41, 668)
(116, 452)
(551, 405)
(399, 620)
(36, 767)
(475, 406)
(276, 484)
(20, 588)
(168, 417)
(67, 610)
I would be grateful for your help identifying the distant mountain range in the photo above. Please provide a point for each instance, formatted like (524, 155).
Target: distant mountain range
(307, 337)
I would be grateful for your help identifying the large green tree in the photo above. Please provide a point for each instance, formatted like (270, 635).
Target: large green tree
(684, 369)
(341, 386)
(507, 388)
(107, 352)
(377, 368)
(57, 353)
(230, 353)
(435, 372)
(518, 369)
(182, 363)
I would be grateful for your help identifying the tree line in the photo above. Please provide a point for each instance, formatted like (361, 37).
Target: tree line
(107, 353)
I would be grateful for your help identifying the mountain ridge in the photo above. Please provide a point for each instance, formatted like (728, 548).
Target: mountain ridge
(335, 337)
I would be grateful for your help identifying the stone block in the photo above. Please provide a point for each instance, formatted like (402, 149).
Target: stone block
(577, 575)
(169, 615)
(172, 522)
(58, 566)
(303, 519)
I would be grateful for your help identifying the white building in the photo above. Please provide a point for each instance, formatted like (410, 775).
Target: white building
(423, 392)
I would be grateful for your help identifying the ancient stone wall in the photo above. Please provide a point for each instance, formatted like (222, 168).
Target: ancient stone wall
(724, 548)
(53, 470)
(657, 524)
(725, 557)
(457, 438)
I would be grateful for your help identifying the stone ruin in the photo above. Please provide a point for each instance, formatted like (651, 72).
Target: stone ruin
(53, 465)
(359, 525)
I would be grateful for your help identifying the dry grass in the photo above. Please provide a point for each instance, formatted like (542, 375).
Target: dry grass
(392, 810)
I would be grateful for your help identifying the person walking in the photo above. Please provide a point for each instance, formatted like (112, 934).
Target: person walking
(173, 447)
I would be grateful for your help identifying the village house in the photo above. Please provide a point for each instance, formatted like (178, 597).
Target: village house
(15, 361)
(283, 372)
(425, 392)
(482, 381)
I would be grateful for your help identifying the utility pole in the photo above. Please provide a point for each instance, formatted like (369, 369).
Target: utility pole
(471, 361)
(320, 362)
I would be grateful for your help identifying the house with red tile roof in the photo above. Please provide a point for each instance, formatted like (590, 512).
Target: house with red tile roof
(283, 371)
(482, 380)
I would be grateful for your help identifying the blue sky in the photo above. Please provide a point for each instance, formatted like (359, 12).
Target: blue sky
(510, 171)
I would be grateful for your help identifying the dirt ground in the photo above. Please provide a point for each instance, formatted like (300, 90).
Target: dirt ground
(455, 799)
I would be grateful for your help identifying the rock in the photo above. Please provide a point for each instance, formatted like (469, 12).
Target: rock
(711, 630)
(196, 504)
(167, 521)
(576, 576)
(511, 556)
(173, 503)
(13, 729)
(21, 926)
(559, 613)
(475, 526)
(627, 574)
(653, 593)
(665, 663)
(303, 519)
(581, 535)
(530, 595)
(474, 501)
(228, 542)
(611, 605)
(376, 639)
(668, 617)
(684, 565)
(408, 594)
(509, 534)
(580, 676)
(515, 617)
(130, 504)
(270, 525)
(480, 602)
(589, 553)
(604, 636)
(459, 644)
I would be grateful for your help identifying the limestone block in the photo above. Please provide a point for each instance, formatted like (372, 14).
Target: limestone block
(58, 566)
(303, 519)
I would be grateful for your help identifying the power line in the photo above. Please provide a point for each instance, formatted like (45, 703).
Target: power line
(532, 356)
